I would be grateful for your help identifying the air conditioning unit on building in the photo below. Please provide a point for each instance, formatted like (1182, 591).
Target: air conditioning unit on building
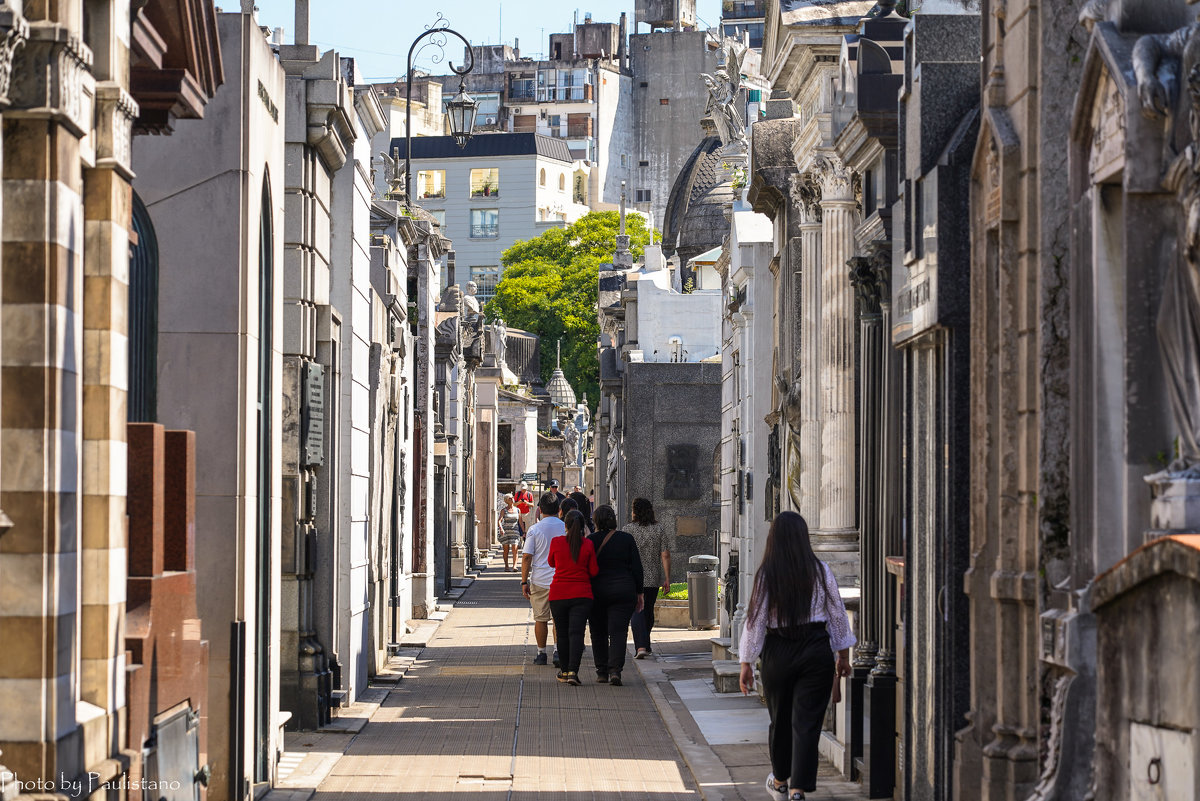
(516, 111)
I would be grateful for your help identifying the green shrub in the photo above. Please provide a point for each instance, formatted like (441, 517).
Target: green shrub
(678, 592)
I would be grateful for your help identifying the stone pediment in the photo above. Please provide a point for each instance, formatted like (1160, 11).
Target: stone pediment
(1109, 134)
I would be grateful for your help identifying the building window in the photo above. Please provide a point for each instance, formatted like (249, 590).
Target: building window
(555, 122)
(641, 196)
(440, 216)
(562, 182)
(485, 278)
(504, 451)
(644, 84)
(624, 158)
(142, 399)
(431, 183)
(485, 182)
(485, 223)
(662, 101)
(542, 177)
(643, 164)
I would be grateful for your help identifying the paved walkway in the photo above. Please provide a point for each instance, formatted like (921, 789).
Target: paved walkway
(473, 715)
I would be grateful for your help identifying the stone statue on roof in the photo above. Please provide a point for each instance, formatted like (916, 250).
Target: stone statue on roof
(470, 302)
(722, 108)
(1167, 69)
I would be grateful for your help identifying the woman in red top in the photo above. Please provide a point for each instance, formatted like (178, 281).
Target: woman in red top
(573, 558)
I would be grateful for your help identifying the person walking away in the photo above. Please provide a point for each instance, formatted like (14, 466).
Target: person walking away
(552, 487)
(573, 558)
(654, 547)
(797, 622)
(509, 524)
(585, 506)
(616, 595)
(536, 572)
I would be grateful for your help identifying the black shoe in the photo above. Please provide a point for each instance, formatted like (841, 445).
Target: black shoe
(540, 659)
(562, 676)
(573, 679)
(601, 677)
(615, 679)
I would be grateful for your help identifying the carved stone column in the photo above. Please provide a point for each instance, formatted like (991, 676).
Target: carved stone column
(806, 458)
(837, 352)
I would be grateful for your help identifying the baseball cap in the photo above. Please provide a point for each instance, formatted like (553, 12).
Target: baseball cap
(554, 483)
(524, 485)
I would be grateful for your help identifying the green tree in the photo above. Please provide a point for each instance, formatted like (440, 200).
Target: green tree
(549, 285)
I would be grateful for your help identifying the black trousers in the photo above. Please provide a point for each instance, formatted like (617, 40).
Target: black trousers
(797, 678)
(643, 621)
(570, 623)
(609, 623)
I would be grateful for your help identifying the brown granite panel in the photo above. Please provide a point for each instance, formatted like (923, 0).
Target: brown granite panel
(179, 542)
(36, 272)
(104, 415)
(107, 196)
(146, 447)
(100, 629)
(26, 651)
(39, 150)
(29, 759)
(97, 301)
(23, 397)
(103, 522)
(32, 514)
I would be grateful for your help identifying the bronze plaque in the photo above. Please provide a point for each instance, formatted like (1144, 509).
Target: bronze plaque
(690, 526)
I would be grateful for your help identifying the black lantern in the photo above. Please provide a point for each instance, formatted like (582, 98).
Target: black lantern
(460, 111)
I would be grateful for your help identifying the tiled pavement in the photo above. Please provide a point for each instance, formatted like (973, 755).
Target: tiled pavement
(473, 716)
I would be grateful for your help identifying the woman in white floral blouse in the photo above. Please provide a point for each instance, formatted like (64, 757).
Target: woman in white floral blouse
(797, 622)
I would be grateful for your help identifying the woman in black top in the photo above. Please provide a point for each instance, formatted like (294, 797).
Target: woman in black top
(616, 594)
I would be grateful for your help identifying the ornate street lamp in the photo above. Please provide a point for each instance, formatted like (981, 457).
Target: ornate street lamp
(460, 111)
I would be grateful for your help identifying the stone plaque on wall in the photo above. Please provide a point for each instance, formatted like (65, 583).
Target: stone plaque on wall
(683, 473)
(689, 526)
(313, 415)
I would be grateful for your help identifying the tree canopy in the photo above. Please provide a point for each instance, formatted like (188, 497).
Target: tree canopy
(548, 287)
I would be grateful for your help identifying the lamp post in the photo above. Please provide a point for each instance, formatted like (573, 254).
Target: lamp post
(460, 110)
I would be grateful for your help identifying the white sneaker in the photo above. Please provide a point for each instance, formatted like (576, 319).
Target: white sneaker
(775, 793)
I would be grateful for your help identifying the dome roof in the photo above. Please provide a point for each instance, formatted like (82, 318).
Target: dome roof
(694, 221)
(560, 391)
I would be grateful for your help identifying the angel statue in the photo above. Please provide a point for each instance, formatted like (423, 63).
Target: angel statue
(723, 86)
(1167, 69)
(392, 175)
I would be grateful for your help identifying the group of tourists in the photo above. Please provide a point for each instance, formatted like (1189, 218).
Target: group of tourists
(579, 570)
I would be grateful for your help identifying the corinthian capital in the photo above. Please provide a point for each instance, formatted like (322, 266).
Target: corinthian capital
(806, 197)
(835, 178)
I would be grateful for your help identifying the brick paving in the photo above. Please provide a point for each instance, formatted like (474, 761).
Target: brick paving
(472, 715)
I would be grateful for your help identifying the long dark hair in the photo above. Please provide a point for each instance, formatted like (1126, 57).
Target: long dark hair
(605, 518)
(789, 574)
(643, 512)
(574, 523)
(583, 504)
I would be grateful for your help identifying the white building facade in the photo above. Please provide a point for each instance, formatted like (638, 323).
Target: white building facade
(500, 188)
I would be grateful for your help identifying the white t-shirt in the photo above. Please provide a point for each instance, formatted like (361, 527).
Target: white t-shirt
(537, 545)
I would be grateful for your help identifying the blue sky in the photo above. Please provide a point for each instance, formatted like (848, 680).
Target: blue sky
(378, 32)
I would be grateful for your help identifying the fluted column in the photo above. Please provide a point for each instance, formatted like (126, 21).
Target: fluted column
(837, 341)
(806, 197)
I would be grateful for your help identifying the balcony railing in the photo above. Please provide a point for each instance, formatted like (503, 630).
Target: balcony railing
(485, 231)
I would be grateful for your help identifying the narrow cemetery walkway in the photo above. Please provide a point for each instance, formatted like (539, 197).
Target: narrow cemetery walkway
(472, 715)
